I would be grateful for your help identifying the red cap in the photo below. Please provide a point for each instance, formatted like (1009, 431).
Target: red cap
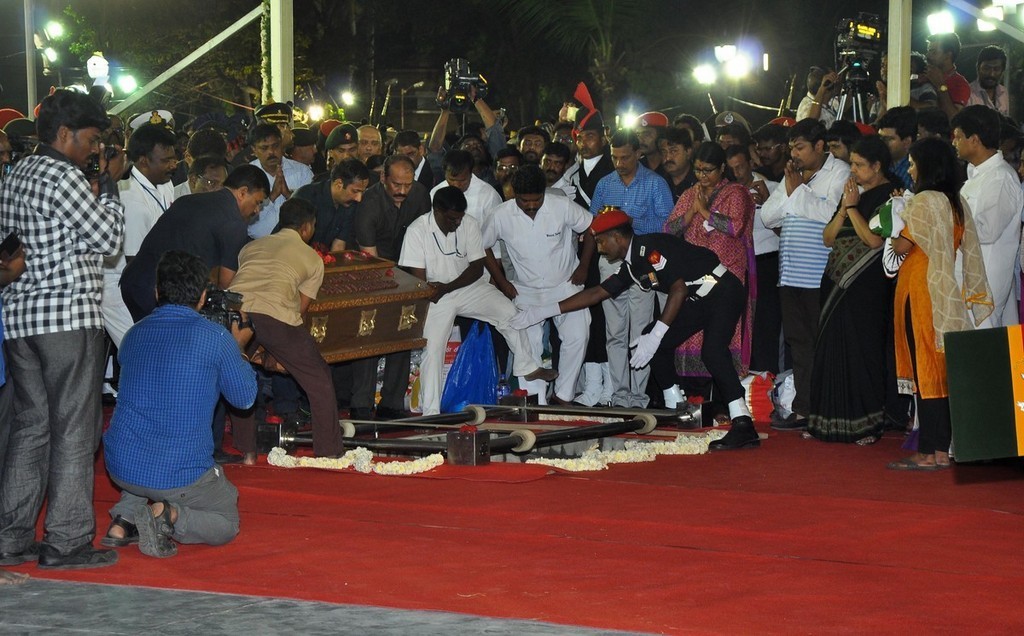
(653, 118)
(609, 218)
(8, 114)
(783, 121)
(864, 129)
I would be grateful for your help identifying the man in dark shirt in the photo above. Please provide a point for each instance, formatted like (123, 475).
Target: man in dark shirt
(336, 200)
(714, 300)
(676, 160)
(211, 225)
(387, 210)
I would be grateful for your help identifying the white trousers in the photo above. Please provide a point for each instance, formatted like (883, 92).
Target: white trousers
(624, 320)
(573, 330)
(116, 317)
(480, 301)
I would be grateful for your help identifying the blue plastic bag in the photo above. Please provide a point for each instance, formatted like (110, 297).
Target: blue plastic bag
(473, 378)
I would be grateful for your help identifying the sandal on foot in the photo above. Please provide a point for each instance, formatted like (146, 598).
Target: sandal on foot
(155, 532)
(909, 464)
(130, 536)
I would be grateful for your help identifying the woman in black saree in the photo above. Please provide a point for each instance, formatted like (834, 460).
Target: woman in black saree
(848, 387)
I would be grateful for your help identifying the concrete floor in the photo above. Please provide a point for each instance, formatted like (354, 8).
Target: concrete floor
(47, 607)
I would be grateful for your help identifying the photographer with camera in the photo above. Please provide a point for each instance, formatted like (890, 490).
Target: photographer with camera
(175, 365)
(68, 222)
(823, 87)
(6, 154)
(279, 276)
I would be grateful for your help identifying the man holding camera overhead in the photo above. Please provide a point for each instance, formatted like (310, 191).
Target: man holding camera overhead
(279, 276)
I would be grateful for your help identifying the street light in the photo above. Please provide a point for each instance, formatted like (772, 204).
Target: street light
(50, 54)
(347, 98)
(705, 74)
(54, 30)
(993, 12)
(738, 67)
(315, 112)
(127, 84)
(941, 22)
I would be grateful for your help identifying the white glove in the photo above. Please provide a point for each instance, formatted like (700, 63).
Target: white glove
(646, 345)
(528, 316)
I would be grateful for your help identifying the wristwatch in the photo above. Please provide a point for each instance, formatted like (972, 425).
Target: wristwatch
(943, 88)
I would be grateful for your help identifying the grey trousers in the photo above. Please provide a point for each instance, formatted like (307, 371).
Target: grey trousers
(54, 435)
(625, 318)
(207, 509)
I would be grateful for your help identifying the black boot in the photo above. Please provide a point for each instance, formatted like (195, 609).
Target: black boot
(741, 435)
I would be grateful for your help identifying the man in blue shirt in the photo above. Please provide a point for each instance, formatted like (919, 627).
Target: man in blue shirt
(645, 196)
(175, 365)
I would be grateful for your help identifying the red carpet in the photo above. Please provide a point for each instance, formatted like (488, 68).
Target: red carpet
(798, 536)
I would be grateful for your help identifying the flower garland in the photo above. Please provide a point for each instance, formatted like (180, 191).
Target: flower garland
(359, 459)
(635, 452)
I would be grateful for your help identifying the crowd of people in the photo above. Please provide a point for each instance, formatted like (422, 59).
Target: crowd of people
(667, 260)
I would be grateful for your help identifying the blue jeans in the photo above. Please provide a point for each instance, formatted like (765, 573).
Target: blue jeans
(54, 435)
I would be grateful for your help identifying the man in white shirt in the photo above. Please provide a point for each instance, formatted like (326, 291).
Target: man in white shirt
(993, 194)
(481, 198)
(285, 175)
(146, 194)
(801, 205)
(540, 238)
(444, 248)
(819, 102)
(554, 162)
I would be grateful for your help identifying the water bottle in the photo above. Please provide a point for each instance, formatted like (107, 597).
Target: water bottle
(504, 390)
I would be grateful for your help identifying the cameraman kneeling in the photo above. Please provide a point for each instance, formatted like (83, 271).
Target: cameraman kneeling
(174, 366)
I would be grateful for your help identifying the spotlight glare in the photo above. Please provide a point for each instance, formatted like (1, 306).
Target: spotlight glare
(315, 112)
(941, 22)
(705, 74)
(348, 98)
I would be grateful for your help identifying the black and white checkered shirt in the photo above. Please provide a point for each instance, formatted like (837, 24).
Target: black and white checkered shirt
(66, 231)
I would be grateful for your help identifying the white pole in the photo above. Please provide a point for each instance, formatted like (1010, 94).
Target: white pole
(282, 51)
(31, 90)
(898, 58)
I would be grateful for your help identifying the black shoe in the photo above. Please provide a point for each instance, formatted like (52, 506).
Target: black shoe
(131, 533)
(155, 532)
(741, 435)
(222, 457)
(356, 413)
(83, 557)
(31, 553)
(384, 413)
(792, 423)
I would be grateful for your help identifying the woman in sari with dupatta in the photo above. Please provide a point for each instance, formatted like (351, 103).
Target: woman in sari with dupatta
(718, 214)
(848, 386)
(929, 301)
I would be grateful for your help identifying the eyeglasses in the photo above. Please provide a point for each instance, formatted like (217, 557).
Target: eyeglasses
(706, 170)
(441, 249)
(504, 168)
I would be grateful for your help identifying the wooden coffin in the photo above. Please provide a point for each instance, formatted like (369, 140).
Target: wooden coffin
(367, 307)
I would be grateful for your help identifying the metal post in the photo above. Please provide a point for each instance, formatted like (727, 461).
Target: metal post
(282, 51)
(898, 79)
(32, 91)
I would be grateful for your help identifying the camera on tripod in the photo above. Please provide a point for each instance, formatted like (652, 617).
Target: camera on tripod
(858, 43)
(456, 93)
(224, 308)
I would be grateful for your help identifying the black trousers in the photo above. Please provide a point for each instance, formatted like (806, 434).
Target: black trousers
(801, 309)
(716, 315)
(767, 329)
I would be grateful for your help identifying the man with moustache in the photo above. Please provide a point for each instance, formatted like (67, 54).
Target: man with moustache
(284, 174)
(646, 198)
(207, 174)
(532, 140)
(649, 128)
(801, 205)
(335, 200)
(677, 160)
(387, 210)
(554, 162)
(342, 143)
(277, 114)
(146, 194)
(987, 90)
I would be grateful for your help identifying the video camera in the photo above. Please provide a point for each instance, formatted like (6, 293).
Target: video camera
(858, 42)
(454, 94)
(223, 307)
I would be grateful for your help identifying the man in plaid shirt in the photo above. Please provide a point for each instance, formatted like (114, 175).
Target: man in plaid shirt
(54, 330)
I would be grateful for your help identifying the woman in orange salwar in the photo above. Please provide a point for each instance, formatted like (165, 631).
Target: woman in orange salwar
(718, 214)
(929, 302)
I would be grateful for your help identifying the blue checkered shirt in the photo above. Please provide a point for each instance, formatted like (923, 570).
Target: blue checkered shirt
(647, 199)
(67, 231)
(175, 365)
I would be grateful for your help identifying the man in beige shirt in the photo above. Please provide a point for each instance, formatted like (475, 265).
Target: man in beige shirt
(278, 276)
